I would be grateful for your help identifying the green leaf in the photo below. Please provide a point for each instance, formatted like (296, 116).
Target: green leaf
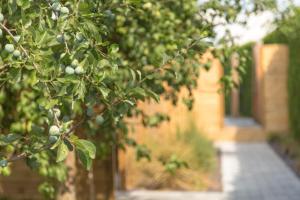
(138, 92)
(11, 138)
(114, 48)
(135, 1)
(51, 103)
(56, 144)
(129, 102)
(104, 63)
(104, 91)
(84, 159)
(153, 95)
(86, 146)
(68, 144)
(62, 152)
(81, 90)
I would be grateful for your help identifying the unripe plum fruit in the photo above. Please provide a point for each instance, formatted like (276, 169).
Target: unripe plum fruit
(56, 6)
(90, 111)
(79, 70)
(75, 63)
(99, 119)
(3, 163)
(53, 138)
(9, 48)
(54, 130)
(16, 53)
(147, 5)
(60, 38)
(5, 171)
(69, 70)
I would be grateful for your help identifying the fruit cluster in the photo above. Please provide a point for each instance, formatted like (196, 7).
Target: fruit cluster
(10, 48)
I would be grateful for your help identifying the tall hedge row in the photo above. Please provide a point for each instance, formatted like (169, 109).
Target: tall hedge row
(245, 85)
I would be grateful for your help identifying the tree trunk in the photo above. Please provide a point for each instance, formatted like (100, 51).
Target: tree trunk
(104, 179)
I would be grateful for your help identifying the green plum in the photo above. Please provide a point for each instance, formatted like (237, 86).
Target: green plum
(75, 63)
(60, 38)
(147, 5)
(89, 111)
(79, 70)
(9, 48)
(53, 138)
(99, 119)
(5, 171)
(16, 53)
(3, 163)
(56, 6)
(69, 70)
(54, 130)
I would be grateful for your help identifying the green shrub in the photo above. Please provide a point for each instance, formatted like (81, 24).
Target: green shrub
(186, 160)
(202, 149)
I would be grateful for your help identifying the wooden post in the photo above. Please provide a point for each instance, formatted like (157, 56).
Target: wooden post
(257, 81)
(104, 179)
(274, 66)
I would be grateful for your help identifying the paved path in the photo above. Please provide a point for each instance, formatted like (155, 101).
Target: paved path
(249, 172)
(254, 171)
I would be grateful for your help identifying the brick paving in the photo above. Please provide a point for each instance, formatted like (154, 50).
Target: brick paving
(250, 171)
